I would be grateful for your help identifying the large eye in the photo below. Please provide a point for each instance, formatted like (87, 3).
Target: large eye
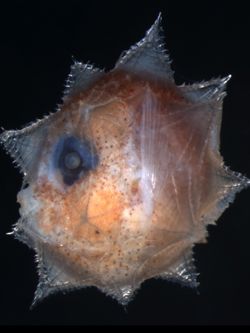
(74, 158)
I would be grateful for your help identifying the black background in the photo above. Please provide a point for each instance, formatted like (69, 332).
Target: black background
(205, 39)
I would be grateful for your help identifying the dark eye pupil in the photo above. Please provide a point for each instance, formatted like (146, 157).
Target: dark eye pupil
(74, 158)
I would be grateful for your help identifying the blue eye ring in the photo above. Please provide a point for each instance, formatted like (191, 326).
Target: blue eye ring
(80, 153)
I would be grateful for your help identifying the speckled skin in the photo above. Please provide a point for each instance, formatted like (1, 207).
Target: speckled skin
(159, 181)
(99, 226)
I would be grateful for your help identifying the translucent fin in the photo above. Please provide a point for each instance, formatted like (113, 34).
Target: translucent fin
(123, 294)
(227, 184)
(20, 233)
(80, 78)
(206, 91)
(149, 55)
(184, 272)
(24, 145)
(234, 181)
(51, 279)
(207, 98)
(45, 289)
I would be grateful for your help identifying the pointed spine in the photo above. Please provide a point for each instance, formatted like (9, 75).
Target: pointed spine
(18, 143)
(149, 54)
(206, 91)
(81, 76)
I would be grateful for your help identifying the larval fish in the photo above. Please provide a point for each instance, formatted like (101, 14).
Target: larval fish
(123, 179)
